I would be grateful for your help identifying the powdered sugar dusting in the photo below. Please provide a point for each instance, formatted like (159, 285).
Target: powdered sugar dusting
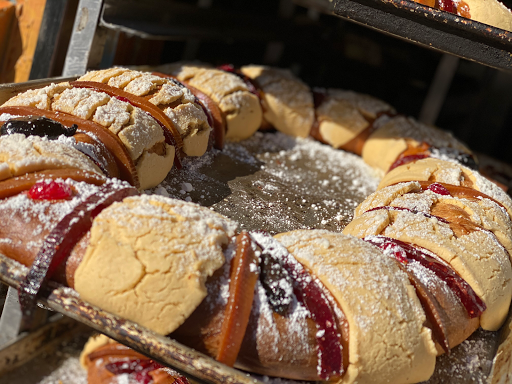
(275, 182)
(469, 362)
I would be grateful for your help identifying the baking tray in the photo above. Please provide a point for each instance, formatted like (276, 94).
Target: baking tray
(274, 182)
(433, 29)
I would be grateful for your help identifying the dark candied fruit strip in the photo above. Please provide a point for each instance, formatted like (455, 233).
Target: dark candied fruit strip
(405, 253)
(171, 134)
(15, 185)
(61, 240)
(309, 291)
(50, 190)
(95, 150)
(277, 284)
(466, 159)
(389, 208)
(243, 279)
(123, 160)
(319, 96)
(37, 126)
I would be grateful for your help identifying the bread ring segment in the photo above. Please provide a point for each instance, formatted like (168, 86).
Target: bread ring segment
(345, 116)
(287, 101)
(138, 131)
(485, 213)
(20, 155)
(477, 257)
(161, 250)
(39, 98)
(449, 172)
(388, 342)
(241, 107)
(491, 12)
(177, 102)
(384, 146)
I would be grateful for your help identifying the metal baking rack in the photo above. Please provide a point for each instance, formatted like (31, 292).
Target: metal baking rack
(433, 29)
(97, 20)
(93, 40)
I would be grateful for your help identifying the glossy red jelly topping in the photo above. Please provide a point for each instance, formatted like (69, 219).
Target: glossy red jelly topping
(407, 159)
(439, 189)
(61, 240)
(388, 208)
(310, 293)
(406, 253)
(446, 5)
(139, 370)
(169, 139)
(50, 190)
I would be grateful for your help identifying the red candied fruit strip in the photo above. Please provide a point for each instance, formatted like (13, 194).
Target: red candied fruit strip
(313, 297)
(405, 253)
(407, 159)
(439, 189)
(139, 370)
(60, 242)
(310, 293)
(446, 5)
(388, 208)
(50, 190)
